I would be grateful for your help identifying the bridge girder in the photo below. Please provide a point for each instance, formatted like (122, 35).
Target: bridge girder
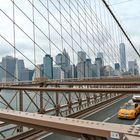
(70, 125)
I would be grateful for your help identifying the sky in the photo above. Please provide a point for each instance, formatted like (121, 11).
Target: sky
(127, 12)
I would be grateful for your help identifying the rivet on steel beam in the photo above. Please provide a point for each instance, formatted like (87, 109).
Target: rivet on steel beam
(50, 116)
(129, 131)
(87, 121)
(59, 118)
(132, 126)
(26, 113)
(92, 122)
(33, 114)
(138, 129)
(41, 116)
(136, 132)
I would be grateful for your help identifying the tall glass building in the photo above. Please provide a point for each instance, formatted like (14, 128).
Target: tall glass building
(133, 67)
(122, 56)
(8, 64)
(100, 55)
(48, 66)
(19, 69)
(58, 59)
(88, 68)
(65, 60)
(81, 56)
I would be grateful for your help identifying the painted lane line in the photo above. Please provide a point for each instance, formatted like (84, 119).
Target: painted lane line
(47, 135)
(108, 118)
(136, 122)
(104, 107)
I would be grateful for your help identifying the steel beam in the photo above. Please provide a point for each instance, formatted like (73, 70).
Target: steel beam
(93, 83)
(69, 125)
(129, 80)
(87, 90)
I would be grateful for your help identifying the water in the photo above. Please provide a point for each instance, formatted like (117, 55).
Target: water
(13, 99)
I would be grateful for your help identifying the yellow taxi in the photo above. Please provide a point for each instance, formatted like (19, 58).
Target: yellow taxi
(129, 111)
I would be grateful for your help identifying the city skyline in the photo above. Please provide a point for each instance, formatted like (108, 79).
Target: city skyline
(62, 68)
(69, 69)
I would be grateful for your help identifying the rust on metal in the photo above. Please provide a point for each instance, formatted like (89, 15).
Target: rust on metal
(93, 83)
(87, 90)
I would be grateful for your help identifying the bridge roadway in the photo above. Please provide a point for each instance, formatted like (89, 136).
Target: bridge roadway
(108, 114)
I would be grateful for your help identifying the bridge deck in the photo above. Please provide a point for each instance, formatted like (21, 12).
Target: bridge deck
(69, 125)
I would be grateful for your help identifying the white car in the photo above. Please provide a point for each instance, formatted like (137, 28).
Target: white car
(136, 97)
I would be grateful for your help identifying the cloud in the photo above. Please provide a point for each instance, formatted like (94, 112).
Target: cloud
(130, 18)
(128, 13)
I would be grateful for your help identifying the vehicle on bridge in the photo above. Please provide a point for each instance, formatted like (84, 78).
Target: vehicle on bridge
(129, 111)
(136, 97)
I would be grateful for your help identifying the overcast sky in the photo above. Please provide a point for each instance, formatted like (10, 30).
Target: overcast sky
(128, 12)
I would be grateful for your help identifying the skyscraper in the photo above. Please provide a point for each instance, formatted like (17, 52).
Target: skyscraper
(48, 66)
(98, 62)
(81, 64)
(100, 55)
(26, 75)
(122, 56)
(38, 72)
(117, 66)
(81, 56)
(58, 73)
(8, 63)
(65, 59)
(58, 59)
(81, 70)
(133, 67)
(88, 68)
(19, 70)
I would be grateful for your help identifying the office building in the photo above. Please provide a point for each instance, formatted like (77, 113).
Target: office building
(98, 62)
(58, 73)
(65, 60)
(81, 70)
(38, 72)
(117, 66)
(48, 66)
(8, 64)
(117, 71)
(122, 57)
(19, 70)
(100, 55)
(58, 59)
(88, 68)
(26, 75)
(133, 67)
(81, 56)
